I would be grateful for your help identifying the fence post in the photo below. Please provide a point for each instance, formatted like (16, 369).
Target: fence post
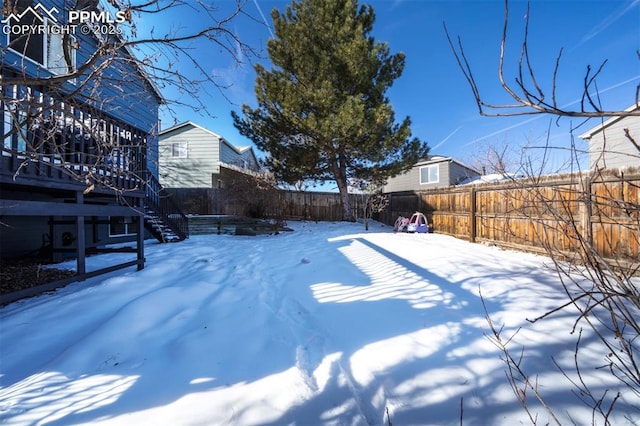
(472, 214)
(586, 211)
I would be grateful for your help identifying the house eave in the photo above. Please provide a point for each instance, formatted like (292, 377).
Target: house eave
(443, 159)
(236, 149)
(185, 124)
(600, 127)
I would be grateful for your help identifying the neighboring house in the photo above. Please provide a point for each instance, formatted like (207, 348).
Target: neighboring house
(609, 147)
(434, 172)
(191, 157)
(75, 162)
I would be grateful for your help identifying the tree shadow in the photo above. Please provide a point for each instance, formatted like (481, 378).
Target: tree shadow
(360, 328)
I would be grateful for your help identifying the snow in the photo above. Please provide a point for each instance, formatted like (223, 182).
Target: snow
(492, 177)
(325, 325)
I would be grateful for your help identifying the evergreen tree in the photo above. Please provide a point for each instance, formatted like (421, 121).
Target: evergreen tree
(322, 112)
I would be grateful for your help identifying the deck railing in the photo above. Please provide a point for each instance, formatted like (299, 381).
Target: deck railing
(56, 143)
(165, 208)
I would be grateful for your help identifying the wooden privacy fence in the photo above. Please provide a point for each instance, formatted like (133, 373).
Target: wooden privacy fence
(319, 206)
(563, 214)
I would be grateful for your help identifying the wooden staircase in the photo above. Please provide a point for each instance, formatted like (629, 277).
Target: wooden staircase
(162, 217)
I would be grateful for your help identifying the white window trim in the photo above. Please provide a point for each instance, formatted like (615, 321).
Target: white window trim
(431, 166)
(59, 70)
(183, 149)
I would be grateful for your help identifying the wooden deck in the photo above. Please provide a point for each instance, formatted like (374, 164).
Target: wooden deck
(64, 168)
(53, 144)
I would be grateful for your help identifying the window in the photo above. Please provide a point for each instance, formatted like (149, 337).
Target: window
(55, 48)
(179, 149)
(14, 124)
(119, 226)
(61, 54)
(7, 142)
(429, 174)
(29, 45)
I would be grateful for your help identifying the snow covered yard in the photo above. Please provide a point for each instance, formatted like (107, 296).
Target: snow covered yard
(328, 324)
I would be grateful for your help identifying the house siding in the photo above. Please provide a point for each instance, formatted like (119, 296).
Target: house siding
(121, 91)
(153, 156)
(251, 160)
(195, 170)
(404, 182)
(444, 176)
(22, 235)
(610, 148)
(450, 173)
(229, 155)
(127, 97)
(206, 151)
(459, 173)
(25, 236)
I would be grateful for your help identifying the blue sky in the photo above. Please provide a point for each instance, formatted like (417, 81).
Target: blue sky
(432, 89)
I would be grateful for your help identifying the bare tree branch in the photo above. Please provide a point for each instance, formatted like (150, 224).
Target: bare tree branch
(527, 93)
(61, 117)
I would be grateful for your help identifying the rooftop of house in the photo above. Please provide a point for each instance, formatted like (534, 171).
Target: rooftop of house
(185, 124)
(432, 159)
(603, 125)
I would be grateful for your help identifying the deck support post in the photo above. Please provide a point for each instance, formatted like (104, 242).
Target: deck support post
(80, 238)
(140, 235)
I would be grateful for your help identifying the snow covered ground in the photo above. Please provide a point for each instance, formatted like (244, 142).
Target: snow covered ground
(328, 324)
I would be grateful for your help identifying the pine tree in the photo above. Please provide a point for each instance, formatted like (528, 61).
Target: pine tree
(322, 111)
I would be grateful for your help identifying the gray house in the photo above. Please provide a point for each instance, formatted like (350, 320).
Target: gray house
(609, 147)
(434, 172)
(190, 156)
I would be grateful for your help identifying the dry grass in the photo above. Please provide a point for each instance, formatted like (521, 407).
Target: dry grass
(19, 275)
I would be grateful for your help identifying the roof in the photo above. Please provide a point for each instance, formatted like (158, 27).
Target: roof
(185, 124)
(433, 159)
(600, 127)
(181, 126)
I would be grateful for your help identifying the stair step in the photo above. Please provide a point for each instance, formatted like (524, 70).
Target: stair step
(159, 228)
